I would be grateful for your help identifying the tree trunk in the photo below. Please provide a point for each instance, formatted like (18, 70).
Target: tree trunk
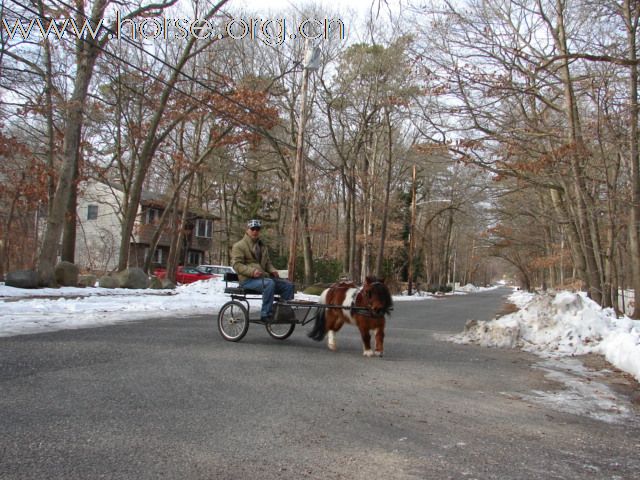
(307, 251)
(353, 261)
(70, 220)
(150, 145)
(87, 53)
(572, 234)
(174, 244)
(346, 203)
(584, 214)
(178, 246)
(166, 214)
(48, 95)
(631, 17)
(387, 193)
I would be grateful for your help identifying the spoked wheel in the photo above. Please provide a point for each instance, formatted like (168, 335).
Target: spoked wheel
(233, 321)
(280, 331)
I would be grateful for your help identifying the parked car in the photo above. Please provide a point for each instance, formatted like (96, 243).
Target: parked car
(185, 274)
(217, 271)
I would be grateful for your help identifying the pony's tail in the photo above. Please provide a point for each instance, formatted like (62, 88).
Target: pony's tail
(318, 332)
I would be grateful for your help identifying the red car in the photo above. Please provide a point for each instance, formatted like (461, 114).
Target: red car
(184, 274)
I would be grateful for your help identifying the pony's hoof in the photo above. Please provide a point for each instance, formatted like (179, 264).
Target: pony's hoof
(333, 348)
(378, 354)
(367, 353)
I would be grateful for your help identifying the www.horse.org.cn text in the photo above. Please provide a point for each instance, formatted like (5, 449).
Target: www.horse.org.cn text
(269, 31)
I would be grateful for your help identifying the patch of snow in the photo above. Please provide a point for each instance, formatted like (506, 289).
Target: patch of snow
(560, 325)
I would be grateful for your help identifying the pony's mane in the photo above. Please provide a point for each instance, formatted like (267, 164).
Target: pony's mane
(381, 291)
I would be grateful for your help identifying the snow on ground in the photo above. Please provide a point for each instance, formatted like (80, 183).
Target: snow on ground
(50, 309)
(469, 288)
(25, 311)
(559, 325)
(584, 392)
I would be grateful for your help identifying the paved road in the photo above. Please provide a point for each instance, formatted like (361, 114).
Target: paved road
(170, 399)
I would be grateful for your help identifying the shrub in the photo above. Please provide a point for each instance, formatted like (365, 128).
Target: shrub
(439, 288)
(315, 289)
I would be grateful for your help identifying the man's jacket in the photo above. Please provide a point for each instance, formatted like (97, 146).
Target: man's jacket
(244, 261)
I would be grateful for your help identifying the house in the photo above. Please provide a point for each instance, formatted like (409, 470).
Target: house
(99, 230)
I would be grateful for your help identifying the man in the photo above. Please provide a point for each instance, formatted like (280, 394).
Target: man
(250, 260)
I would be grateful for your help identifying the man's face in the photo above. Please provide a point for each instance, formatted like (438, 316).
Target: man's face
(253, 232)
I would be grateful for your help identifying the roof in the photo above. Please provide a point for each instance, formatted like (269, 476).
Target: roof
(153, 199)
(159, 200)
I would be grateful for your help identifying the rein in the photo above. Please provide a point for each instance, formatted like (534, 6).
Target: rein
(368, 309)
(359, 310)
(365, 311)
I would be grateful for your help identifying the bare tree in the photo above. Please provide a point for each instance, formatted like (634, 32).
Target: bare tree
(87, 51)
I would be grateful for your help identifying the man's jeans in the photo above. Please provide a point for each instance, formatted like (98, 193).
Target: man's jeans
(269, 287)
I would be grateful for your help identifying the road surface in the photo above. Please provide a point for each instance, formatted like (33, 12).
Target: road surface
(169, 398)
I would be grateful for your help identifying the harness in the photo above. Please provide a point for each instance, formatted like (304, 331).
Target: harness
(353, 299)
(365, 311)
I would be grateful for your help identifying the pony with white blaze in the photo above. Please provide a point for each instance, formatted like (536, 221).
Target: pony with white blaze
(364, 307)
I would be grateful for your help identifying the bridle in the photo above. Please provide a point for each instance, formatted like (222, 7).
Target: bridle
(368, 310)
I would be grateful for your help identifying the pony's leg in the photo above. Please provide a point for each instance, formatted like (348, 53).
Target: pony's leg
(331, 340)
(379, 341)
(318, 332)
(333, 325)
(366, 340)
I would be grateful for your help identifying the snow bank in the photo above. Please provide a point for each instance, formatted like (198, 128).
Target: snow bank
(561, 325)
(469, 287)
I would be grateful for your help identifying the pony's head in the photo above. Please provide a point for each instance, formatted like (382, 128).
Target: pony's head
(377, 296)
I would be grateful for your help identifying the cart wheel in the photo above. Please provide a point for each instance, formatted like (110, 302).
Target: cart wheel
(233, 321)
(280, 331)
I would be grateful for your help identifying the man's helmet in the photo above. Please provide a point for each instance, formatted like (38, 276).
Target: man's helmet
(254, 224)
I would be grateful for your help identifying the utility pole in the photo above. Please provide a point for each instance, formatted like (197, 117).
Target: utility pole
(311, 62)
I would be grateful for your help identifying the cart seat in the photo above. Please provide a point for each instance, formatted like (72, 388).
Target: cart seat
(233, 277)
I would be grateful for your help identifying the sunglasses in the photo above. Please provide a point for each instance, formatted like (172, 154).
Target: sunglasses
(255, 228)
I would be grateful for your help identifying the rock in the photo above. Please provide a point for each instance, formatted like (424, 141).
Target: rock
(132, 278)
(66, 274)
(22, 279)
(161, 284)
(87, 280)
(471, 324)
(108, 282)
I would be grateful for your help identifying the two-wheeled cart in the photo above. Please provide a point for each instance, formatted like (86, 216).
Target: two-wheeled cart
(236, 315)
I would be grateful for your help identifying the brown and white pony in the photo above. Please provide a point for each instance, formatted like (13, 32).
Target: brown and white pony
(364, 307)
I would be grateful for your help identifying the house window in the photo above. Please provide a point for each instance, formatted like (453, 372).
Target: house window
(204, 228)
(157, 255)
(153, 216)
(195, 258)
(92, 212)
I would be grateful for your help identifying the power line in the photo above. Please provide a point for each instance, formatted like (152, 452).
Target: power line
(120, 59)
(171, 67)
(180, 72)
(138, 46)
